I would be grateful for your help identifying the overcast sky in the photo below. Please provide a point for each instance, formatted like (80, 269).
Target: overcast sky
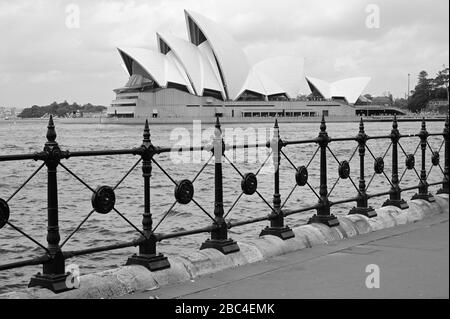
(46, 56)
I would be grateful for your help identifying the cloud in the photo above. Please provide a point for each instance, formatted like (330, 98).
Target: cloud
(50, 76)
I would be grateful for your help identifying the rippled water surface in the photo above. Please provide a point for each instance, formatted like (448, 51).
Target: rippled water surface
(28, 207)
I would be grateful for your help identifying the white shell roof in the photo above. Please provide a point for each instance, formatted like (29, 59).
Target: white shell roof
(350, 88)
(196, 65)
(231, 58)
(161, 68)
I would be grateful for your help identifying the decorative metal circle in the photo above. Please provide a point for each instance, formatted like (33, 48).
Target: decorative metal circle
(103, 200)
(301, 177)
(4, 213)
(379, 165)
(435, 158)
(344, 169)
(184, 192)
(249, 184)
(410, 161)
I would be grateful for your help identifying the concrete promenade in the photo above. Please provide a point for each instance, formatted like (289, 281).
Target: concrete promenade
(413, 261)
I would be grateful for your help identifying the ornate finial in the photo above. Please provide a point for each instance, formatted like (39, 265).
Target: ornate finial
(51, 132)
(323, 125)
(424, 124)
(276, 123)
(146, 134)
(394, 123)
(361, 126)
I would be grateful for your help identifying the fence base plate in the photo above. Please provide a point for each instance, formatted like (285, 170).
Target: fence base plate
(329, 220)
(55, 283)
(281, 232)
(400, 203)
(226, 246)
(366, 211)
(428, 197)
(151, 262)
(442, 191)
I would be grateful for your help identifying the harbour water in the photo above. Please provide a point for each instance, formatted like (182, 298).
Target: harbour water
(28, 207)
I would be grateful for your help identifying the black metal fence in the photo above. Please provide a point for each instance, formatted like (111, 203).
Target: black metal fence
(103, 198)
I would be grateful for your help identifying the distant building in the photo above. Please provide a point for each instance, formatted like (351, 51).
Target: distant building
(209, 75)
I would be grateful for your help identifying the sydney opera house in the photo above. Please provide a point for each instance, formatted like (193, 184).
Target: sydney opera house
(210, 75)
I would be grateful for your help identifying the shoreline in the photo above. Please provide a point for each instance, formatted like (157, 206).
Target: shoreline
(227, 120)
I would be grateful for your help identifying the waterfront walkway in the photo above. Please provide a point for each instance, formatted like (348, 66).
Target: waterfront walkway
(413, 262)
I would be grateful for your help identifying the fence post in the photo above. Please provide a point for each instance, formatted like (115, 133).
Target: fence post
(277, 227)
(423, 184)
(362, 207)
(395, 198)
(445, 181)
(323, 212)
(53, 275)
(219, 236)
(147, 255)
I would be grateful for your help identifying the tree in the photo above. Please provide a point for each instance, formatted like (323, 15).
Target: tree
(422, 93)
(440, 83)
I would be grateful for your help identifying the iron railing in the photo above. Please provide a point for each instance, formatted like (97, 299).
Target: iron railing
(103, 198)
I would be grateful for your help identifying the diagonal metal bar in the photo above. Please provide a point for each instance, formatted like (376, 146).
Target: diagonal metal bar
(429, 146)
(76, 177)
(287, 198)
(312, 189)
(28, 236)
(357, 189)
(201, 170)
(371, 179)
(429, 172)
(334, 185)
(388, 180)
(404, 172)
(440, 167)
(128, 173)
(288, 159)
(165, 215)
(440, 147)
(234, 204)
(237, 170)
(78, 228)
(264, 163)
(368, 148)
(164, 171)
(199, 206)
(130, 223)
(264, 200)
(389, 147)
(417, 148)
(337, 161)
(418, 176)
(354, 152)
(401, 147)
(314, 155)
(26, 182)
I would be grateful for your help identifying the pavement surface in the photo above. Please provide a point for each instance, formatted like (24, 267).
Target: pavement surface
(408, 261)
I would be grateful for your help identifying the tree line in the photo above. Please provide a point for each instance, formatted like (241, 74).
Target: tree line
(59, 109)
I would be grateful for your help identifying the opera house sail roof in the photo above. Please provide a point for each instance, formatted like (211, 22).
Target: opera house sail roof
(211, 63)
